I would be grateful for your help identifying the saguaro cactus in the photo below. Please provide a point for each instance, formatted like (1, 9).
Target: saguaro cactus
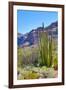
(45, 49)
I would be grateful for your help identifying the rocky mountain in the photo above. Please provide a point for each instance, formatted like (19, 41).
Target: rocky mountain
(32, 37)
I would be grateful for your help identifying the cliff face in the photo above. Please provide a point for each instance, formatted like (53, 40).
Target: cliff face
(32, 37)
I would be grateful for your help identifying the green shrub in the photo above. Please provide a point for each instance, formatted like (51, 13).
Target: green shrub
(50, 53)
(32, 72)
(19, 56)
(31, 75)
(55, 62)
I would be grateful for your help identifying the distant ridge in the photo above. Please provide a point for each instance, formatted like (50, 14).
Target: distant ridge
(31, 38)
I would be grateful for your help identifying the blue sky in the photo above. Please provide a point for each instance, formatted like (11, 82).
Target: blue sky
(28, 20)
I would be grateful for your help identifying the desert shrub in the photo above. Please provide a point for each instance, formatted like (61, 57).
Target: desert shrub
(55, 62)
(36, 63)
(47, 72)
(50, 53)
(50, 73)
(44, 68)
(30, 75)
(55, 55)
(34, 56)
(21, 77)
(29, 55)
(26, 55)
(32, 72)
(19, 56)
